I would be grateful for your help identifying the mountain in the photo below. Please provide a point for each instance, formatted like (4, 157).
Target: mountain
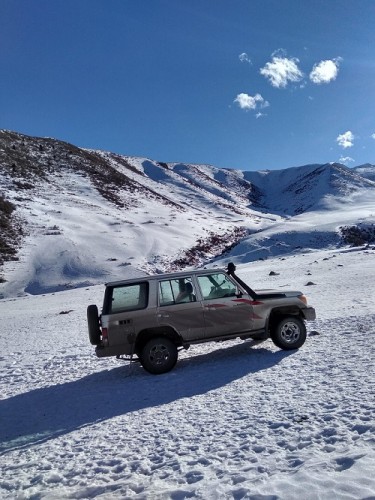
(72, 217)
(367, 170)
(296, 190)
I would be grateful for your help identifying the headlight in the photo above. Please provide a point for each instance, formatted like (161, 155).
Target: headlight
(303, 299)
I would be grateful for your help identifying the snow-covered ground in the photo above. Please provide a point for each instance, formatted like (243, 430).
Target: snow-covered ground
(232, 420)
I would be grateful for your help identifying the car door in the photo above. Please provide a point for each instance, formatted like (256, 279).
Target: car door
(179, 308)
(126, 307)
(225, 312)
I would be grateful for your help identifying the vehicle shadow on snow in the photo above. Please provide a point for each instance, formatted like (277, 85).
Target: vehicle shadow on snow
(49, 412)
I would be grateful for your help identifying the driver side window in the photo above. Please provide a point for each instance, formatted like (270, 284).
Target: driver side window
(216, 286)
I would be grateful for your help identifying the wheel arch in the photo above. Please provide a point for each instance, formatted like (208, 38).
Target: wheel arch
(277, 313)
(160, 331)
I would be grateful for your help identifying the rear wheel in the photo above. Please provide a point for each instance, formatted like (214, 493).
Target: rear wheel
(93, 324)
(289, 333)
(159, 355)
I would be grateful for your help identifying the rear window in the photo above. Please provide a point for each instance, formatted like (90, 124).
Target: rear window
(126, 298)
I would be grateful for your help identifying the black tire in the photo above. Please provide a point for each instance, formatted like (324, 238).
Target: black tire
(158, 355)
(289, 333)
(93, 324)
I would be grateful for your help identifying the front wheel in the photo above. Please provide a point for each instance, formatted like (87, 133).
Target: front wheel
(289, 333)
(159, 355)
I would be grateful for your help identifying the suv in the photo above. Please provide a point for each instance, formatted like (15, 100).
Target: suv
(153, 316)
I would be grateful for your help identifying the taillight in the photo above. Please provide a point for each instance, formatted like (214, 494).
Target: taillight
(105, 336)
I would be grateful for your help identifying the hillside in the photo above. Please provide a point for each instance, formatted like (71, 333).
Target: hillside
(300, 189)
(71, 217)
(367, 170)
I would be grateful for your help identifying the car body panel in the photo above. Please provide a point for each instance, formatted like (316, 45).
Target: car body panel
(185, 318)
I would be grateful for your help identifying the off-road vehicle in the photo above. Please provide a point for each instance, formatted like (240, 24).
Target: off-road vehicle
(151, 318)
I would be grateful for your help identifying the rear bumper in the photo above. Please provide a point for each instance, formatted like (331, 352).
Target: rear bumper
(114, 350)
(309, 313)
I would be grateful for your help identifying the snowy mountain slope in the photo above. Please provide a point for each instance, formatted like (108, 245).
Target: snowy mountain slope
(72, 217)
(232, 420)
(299, 189)
(311, 231)
(77, 204)
(367, 170)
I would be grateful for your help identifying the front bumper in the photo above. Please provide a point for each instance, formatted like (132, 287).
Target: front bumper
(309, 313)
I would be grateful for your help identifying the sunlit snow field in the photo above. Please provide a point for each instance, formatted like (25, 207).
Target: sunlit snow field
(232, 420)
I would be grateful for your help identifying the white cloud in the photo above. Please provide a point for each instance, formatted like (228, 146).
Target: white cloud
(373, 136)
(325, 71)
(259, 115)
(244, 58)
(346, 159)
(282, 70)
(345, 140)
(279, 53)
(248, 102)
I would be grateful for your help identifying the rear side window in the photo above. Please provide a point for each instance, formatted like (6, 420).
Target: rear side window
(176, 291)
(127, 298)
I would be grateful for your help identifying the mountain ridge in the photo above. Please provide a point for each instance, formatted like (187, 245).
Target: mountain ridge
(72, 216)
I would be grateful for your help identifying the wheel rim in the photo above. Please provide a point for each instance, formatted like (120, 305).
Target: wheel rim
(290, 332)
(159, 355)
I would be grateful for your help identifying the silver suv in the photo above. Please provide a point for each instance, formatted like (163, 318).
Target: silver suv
(151, 318)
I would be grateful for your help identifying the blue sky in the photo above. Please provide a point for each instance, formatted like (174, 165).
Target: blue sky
(248, 84)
